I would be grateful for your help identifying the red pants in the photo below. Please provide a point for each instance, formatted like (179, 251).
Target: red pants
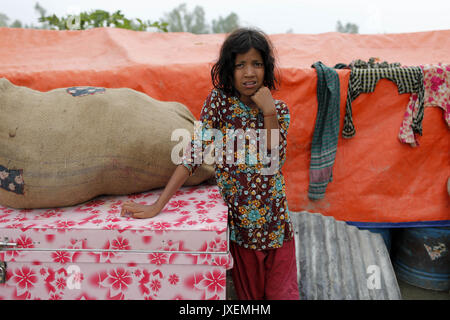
(265, 274)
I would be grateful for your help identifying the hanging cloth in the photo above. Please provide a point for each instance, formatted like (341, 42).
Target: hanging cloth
(407, 79)
(436, 80)
(326, 131)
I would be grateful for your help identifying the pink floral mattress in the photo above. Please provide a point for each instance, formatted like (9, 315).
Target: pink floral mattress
(118, 257)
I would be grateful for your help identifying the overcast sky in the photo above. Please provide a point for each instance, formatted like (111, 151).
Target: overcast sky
(272, 16)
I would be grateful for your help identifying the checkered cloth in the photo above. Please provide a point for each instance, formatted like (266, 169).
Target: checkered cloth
(326, 131)
(407, 79)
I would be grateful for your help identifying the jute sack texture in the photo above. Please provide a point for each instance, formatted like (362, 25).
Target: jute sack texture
(69, 145)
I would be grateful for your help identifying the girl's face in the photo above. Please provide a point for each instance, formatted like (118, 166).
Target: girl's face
(248, 74)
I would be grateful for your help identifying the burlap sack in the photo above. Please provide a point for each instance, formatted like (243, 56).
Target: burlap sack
(69, 145)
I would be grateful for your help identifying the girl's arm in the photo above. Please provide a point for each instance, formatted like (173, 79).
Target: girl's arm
(264, 101)
(141, 211)
(271, 122)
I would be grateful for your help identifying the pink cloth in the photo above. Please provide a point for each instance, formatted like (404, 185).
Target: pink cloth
(265, 274)
(437, 94)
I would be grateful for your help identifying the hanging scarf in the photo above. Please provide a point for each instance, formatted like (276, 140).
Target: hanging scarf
(326, 131)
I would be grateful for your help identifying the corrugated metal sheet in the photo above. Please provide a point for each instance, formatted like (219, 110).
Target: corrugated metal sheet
(337, 261)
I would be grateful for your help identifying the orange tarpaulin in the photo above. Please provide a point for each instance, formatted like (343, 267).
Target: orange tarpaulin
(375, 177)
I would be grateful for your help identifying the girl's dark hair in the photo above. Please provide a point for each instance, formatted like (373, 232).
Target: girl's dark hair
(241, 41)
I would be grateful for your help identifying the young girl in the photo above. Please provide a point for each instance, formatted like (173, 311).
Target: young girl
(261, 233)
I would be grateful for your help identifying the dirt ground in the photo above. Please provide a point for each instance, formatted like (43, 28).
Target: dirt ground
(408, 291)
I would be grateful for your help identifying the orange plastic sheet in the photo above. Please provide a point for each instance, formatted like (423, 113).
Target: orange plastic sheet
(376, 179)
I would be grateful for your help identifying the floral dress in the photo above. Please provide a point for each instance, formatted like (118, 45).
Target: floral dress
(256, 199)
(437, 86)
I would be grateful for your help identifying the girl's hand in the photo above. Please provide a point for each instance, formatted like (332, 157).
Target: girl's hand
(264, 101)
(140, 211)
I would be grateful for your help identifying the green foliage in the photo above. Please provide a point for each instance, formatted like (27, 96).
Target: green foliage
(348, 28)
(3, 20)
(16, 24)
(98, 19)
(226, 25)
(180, 19)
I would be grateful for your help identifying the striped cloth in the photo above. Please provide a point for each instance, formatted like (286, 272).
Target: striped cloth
(326, 131)
(407, 79)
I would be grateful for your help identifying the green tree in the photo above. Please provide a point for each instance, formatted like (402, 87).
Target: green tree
(348, 28)
(42, 12)
(225, 25)
(16, 24)
(182, 20)
(3, 20)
